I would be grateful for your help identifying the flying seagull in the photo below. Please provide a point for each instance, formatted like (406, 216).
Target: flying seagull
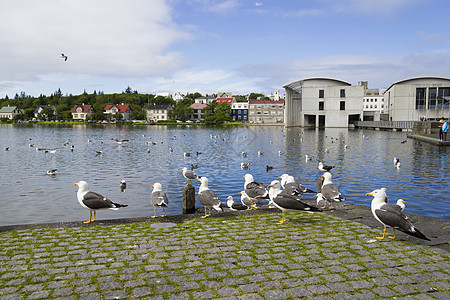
(65, 57)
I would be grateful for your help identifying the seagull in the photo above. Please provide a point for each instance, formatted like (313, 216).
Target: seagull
(158, 198)
(100, 152)
(400, 204)
(396, 160)
(308, 158)
(186, 154)
(120, 141)
(321, 201)
(329, 190)
(245, 199)
(189, 175)
(65, 57)
(234, 205)
(244, 153)
(286, 202)
(390, 216)
(268, 168)
(256, 191)
(324, 168)
(94, 201)
(293, 187)
(208, 198)
(123, 185)
(51, 172)
(244, 165)
(398, 164)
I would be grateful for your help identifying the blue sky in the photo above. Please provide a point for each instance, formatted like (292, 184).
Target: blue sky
(209, 46)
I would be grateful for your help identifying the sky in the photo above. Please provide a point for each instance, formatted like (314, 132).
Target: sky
(211, 46)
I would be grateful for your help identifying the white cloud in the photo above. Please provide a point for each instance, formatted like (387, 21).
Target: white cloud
(100, 37)
(258, 3)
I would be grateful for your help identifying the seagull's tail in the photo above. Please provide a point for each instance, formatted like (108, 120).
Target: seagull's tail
(309, 191)
(415, 232)
(117, 205)
(339, 198)
(220, 206)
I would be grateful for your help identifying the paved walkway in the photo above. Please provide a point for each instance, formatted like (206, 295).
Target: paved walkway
(247, 256)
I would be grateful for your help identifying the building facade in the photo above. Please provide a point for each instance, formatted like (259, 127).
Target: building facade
(198, 111)
(82, 112)
(266, 111)
(157, 113)
(420, 97)
(10, 112)
(123, 109)
(322, 102)
(239, 111)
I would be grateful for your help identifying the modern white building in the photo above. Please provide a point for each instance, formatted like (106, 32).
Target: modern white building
(322, 102)
(415, 98)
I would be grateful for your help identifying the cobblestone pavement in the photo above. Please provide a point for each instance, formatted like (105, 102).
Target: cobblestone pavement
(312, 256)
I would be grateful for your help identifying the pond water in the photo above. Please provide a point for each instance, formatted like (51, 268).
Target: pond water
(28, 195)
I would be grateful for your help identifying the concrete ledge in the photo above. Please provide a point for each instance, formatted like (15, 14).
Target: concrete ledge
(430, 140)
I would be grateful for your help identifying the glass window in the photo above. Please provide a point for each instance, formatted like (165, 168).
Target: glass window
(342, 105)
(342, 93)
(321, 105)
(420, 98)
(432, 97)
(321, 93)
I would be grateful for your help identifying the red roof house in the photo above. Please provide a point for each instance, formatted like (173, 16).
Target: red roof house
(123, 109)
(227, 100)
(81, 112)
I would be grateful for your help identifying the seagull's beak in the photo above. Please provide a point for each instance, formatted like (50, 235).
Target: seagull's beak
(404, 201)
(269, 186)
(75, 184)
(153, 186)
(322, 176)
(279, 177)
(316, 195)
(243, 177)
(369, 194)
(239, 193)
(198, 180)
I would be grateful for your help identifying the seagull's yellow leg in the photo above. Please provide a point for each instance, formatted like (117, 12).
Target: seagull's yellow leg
(392, 237)
(164, 214)
(154, 209)
(206, 209)
(90, 217)
(384, 234)
(210, 208)
(283, 218)
(94, 215)
(251, 207)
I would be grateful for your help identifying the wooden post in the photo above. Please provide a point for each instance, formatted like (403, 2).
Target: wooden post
(188, 199)
(319, 184)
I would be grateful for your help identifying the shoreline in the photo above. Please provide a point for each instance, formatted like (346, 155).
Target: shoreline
(438, 230)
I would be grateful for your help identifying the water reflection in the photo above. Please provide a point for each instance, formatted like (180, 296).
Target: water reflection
(363, 160)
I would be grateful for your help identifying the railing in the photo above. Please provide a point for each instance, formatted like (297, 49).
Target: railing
(386, 124)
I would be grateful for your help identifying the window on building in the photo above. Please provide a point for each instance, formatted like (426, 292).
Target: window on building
(342, 93)
(321, 105)
(420, 97)
(432, 97)
(443, 97)
(342, 105)
(321, 93)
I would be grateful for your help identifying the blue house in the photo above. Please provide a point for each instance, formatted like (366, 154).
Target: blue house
(239, 111)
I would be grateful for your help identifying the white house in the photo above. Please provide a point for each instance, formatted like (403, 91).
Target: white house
(157, 113)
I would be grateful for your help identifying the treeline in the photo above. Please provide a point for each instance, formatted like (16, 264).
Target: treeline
(139, 103)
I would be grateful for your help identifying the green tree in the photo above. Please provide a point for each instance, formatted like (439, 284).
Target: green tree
(46, 114)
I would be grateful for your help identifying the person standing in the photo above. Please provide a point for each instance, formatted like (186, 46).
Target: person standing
(444, 130)
(441, 133)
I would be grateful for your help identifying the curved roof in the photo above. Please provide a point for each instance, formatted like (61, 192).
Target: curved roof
(297, 82)
(418, 78)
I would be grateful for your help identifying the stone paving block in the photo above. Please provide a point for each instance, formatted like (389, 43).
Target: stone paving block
(298, 292)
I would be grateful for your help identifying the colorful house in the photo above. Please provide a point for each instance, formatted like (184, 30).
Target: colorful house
(123, 109)
(198, 111)
(82, 112)
(156, 113)
(266, 111)
(10, 111)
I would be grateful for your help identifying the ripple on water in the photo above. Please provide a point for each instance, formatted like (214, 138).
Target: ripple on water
(31, 196)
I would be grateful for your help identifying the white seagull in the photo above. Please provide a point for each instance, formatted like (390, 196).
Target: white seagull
(388, 215)
(158, 198)
(94, 201)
